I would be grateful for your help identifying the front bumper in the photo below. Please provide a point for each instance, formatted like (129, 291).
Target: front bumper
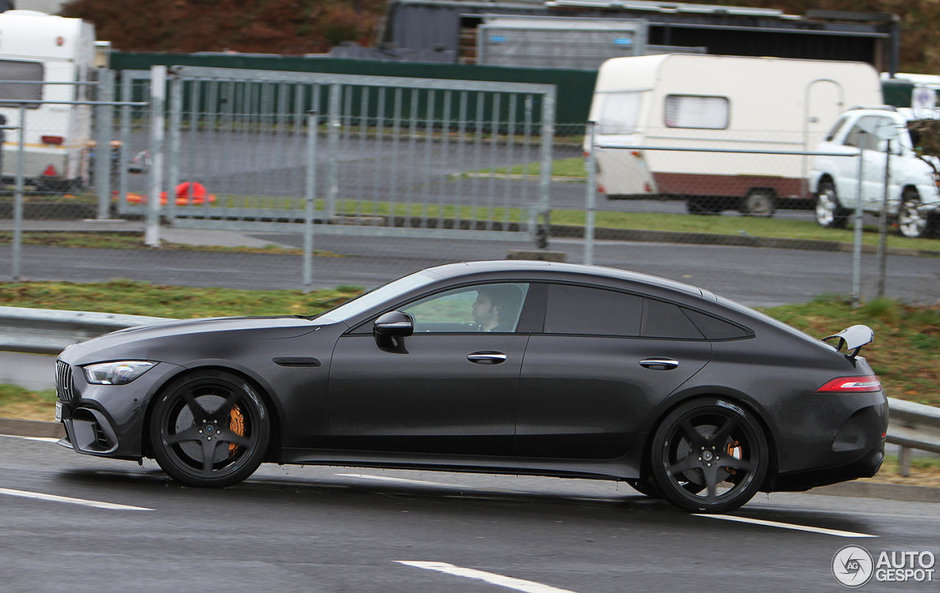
(107, 420)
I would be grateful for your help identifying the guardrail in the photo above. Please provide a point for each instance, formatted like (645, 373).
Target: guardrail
(47, 331)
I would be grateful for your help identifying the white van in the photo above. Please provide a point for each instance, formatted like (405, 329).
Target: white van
(719, 103)
(38, 47)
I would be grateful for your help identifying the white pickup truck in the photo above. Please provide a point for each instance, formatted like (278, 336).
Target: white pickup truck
(913, 197)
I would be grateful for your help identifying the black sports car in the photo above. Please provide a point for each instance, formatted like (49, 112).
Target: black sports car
(507, 367)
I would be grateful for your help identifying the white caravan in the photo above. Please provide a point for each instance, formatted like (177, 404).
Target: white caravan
(689, 101)
(38, 47)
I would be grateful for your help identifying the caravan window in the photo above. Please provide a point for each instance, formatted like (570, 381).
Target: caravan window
(26, 71)
(619, 112)
(693, 111)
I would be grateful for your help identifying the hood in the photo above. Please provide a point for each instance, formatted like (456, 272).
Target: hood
(173, 339)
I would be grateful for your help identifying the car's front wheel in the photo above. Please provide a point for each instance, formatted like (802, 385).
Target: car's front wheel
(709, 456)
(209, 429)
(828, 211)
(912, 222)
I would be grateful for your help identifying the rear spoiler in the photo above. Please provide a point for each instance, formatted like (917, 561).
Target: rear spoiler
(852, 339)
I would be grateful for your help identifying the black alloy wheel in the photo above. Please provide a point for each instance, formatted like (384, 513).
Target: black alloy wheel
(709, 456)
(209, 429)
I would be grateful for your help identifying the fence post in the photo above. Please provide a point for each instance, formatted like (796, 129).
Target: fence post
(857, 247)
(157, 99)
(104, 123)
(18, 197)
(310, 200)
(174, 141)
(125, 136)
(883, 225)
(545, 174)
(333, 129)
(590, 198)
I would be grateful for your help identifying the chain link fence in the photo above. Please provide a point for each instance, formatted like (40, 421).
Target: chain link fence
(296, 180)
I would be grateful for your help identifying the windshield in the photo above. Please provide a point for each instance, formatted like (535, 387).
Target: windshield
(374, 298)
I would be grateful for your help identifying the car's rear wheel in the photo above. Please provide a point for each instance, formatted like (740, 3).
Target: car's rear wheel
(209, 429)
(709, 456)
(828, 211)
(911, 221)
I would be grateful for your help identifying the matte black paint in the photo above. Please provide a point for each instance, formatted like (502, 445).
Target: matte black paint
(558, 405)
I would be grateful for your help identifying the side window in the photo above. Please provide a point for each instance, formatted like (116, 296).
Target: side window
(471, 309)
(714, 328)
(619, 112)
(592, 311)
(665, 320)
(14, 70)
(693, 111)
(864, 134)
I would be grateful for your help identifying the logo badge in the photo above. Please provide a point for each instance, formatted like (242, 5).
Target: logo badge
(853, 566)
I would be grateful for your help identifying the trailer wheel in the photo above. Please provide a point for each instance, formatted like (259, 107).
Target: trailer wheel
(759, 202)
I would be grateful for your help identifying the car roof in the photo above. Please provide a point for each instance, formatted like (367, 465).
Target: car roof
(543, 267)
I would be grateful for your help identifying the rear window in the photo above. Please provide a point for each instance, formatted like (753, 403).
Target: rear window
(716, 329)
(592, 311)
(694, 111)
(15, 70)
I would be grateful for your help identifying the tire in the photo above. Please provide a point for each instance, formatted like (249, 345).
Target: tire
(209, 429)
(829, 213)
(709, 456)
(911, 222)
(759, 202)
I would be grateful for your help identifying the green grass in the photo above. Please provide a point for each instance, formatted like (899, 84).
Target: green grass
(17, 402)
(570, 168)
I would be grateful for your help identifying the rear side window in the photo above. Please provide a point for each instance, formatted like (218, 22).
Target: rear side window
(665, 320)
(15, 70)
(694, 111)
(716, 329)
(592, 311)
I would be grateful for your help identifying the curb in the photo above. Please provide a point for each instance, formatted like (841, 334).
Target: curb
(901, 492)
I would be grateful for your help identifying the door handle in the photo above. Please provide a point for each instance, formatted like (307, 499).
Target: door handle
(486, 357)
(658, 363)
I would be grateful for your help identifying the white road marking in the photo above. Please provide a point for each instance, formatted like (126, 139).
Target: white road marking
(489, 577)
(79, 501)
(399, 480)
(793, 526)
(41, 439)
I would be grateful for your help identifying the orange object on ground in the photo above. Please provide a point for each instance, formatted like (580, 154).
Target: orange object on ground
(188, 193)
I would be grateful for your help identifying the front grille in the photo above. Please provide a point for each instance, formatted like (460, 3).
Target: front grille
(63, 381)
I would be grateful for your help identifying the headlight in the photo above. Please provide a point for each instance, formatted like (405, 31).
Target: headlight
(121, 372)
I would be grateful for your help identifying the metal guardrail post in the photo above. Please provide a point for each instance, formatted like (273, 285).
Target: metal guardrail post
(310, 200)
(18, 197)
(590, 199)
(104, 122)
(157, 99)
(125, 136)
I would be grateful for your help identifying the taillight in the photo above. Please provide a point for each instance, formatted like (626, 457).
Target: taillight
(57, 140)
(851, 385)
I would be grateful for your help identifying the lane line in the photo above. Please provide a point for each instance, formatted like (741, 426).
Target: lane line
(793, 526)
(79, 501)
(41, 439)
(399, 480)
(489, 577)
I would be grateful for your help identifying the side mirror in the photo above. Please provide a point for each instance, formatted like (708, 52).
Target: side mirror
(393, 324)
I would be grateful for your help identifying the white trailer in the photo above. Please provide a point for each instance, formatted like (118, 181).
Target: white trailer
(688, 101)
(36, 47)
